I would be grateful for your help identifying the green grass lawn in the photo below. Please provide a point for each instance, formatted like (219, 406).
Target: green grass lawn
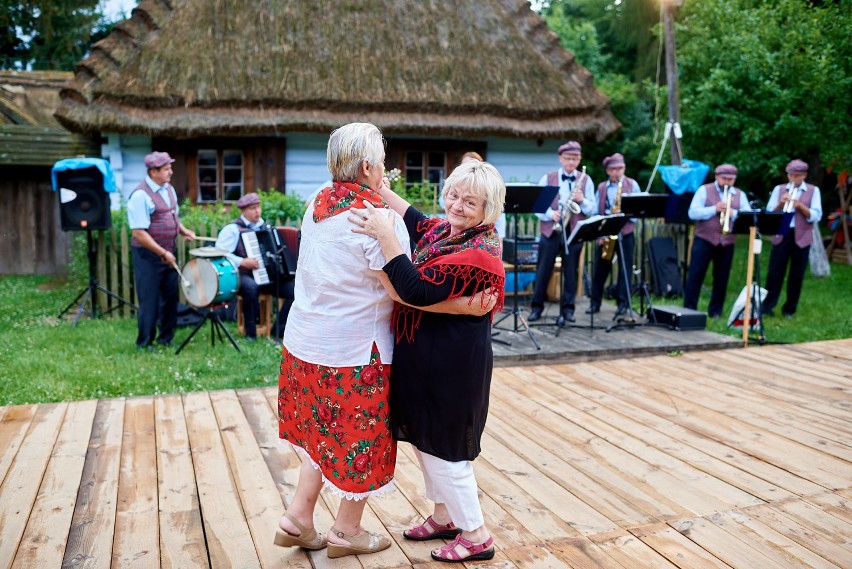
(44, 359)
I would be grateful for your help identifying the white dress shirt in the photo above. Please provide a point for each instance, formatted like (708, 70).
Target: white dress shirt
(140, 206)
(815, 207)
(589, 207)
(230, 236)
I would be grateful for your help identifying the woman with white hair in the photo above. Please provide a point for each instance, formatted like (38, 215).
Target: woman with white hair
(442, 371)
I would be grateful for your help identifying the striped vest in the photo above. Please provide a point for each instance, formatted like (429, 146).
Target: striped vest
(164, 221)
(553, 180)
(626, 188)
(803, 232)
(711, 229)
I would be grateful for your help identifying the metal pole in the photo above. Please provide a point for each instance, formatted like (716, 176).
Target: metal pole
(669, 7)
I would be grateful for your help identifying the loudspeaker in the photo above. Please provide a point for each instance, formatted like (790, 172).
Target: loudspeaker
(664, 267)
(83, 201)
(678, 318)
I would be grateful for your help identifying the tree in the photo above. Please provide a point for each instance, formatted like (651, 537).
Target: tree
(49, 34)
(764, 82)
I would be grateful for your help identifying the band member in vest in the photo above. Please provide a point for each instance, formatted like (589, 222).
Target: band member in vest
(708, 209)
(281, 285)
(606, 197)
(152, 213)
(803, 202)
(578, 187)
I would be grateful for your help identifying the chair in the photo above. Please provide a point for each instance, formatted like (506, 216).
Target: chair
(264, 324)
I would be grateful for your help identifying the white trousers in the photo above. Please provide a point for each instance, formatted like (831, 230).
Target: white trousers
(452, 484)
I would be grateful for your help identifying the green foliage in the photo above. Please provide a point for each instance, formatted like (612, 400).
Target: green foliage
(764, 82)
(423, 196)
(279, 208)
(49, 34)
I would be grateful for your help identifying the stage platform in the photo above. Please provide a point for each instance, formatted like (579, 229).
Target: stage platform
(580, 342)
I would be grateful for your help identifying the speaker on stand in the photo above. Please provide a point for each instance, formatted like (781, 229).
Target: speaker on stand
(83, 186)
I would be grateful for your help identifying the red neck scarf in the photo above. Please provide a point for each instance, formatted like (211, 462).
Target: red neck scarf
(470, 258)
(342, 196)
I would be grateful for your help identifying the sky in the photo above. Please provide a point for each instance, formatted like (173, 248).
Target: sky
(114, 8)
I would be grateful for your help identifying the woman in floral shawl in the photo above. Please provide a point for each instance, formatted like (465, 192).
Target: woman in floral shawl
(442, 368)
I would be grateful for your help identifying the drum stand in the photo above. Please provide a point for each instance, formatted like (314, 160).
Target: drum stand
(216, 327)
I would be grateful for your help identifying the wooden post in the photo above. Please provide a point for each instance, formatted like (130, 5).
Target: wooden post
(752, 235)
(669, 7)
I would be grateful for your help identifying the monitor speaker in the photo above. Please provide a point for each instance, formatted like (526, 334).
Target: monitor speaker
(83, 202)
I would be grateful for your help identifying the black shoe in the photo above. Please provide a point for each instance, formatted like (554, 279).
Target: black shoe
(535, 314)
(560, 322)
(593, 309)
(787, 314)
(620, 311)
(569, 316)
(768, 313)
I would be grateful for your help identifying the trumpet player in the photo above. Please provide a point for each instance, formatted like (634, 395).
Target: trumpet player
(609, 201)
(577, 188)
(803, 203)
(712, 208)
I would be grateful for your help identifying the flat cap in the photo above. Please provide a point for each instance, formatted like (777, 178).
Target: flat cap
(571, 147)
(797, 167)
(614, 161)
(247, 200)
(158, 159)
(726, 170)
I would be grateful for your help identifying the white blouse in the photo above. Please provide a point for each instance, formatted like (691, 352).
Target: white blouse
(340, 306)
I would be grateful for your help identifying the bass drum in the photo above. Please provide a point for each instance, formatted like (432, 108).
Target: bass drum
(211, 281)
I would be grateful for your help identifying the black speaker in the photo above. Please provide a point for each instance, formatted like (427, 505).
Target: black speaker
(664, 267)
(83, 201)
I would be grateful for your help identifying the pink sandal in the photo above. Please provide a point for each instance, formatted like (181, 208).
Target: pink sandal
(431, 530)
(477, 551)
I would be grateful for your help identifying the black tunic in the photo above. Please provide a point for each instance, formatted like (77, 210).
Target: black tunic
(440, 382)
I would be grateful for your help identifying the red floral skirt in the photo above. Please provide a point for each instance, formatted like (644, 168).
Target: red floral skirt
(340, 417)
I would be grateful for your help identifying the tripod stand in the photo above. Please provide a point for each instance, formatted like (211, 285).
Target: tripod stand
(523, 198)
(216, 327)
(87, 294)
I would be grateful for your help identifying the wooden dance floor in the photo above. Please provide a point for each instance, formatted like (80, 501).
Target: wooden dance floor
(737, 458)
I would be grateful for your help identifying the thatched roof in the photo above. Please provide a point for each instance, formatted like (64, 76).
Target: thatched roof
(29, 135)
(186, 68)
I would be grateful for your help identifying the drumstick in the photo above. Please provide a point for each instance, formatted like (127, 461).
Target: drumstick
(199, 238)
(186, 283)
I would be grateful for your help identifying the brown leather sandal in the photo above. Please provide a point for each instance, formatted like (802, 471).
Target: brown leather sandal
(364, 542)
(307, 538)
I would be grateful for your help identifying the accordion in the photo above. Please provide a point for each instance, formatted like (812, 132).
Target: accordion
(273, 248)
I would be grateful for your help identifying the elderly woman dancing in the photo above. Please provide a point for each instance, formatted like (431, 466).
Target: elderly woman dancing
(442, 368)
(333, 387)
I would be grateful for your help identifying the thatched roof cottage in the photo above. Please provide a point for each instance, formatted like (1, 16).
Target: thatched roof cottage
(244, 94)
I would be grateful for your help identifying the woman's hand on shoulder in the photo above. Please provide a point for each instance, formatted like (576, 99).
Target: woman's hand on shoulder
(372, 222)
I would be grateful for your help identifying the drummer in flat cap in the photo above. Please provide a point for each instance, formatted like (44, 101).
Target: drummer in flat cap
(152, 213)
(281, 285)
(802, 204)
(579, 188)
(713, 244)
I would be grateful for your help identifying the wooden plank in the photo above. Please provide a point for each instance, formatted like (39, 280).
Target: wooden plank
(137, 537)
(93, 523)
(826, 546)
(13, 429)
(834, 504)
(125, 290)
(181, 531)
(114, 261)
(769, 542)
(229, 542)
(628, 550)
(581, 553)
(43, 542)
(679, 550)
(726, 546)
(255, 487)
(20, 487)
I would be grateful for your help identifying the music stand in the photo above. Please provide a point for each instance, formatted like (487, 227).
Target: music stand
(592, 229)
(524, 198)
(644, 206)
(766, 223)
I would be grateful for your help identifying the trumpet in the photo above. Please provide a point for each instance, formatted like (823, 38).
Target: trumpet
(790, 204)
(725, 216)
(570, 205)
(608, 246)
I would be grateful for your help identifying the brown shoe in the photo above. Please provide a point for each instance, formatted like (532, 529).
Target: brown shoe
(364, 542)
(307, 538)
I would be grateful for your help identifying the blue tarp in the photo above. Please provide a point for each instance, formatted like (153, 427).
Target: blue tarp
(80, 164)
(524, 280)
(687, 177)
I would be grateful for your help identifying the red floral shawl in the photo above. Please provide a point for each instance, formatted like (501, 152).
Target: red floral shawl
(341, 197)
(473, 257)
